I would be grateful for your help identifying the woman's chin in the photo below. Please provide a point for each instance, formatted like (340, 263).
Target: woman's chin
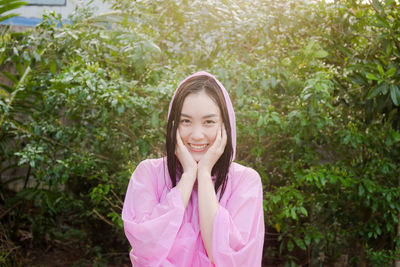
(197, 157)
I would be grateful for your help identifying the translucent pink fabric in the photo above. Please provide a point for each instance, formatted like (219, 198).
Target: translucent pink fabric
(163, 233)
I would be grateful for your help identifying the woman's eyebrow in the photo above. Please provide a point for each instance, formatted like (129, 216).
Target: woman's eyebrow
(185, 115)
(204, 117)
(210, 116)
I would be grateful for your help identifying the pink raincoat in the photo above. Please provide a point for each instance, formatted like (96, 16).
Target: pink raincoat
(163, 233)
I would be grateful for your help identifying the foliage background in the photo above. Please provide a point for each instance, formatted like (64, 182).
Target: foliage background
(315, 87)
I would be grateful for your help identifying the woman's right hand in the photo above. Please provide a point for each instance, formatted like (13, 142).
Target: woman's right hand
(185, 158)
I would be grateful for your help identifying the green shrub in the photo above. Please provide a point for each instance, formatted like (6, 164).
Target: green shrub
(316, 100)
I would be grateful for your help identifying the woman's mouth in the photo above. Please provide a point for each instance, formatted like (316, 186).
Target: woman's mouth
(198, 148)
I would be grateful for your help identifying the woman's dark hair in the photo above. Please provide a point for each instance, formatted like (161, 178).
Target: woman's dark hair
(195, 85)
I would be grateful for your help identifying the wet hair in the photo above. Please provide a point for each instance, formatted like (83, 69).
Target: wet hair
(196, 85)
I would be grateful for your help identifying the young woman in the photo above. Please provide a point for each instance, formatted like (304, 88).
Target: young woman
(196, 207)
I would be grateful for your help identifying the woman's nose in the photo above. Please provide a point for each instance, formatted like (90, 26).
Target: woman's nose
(197, 133)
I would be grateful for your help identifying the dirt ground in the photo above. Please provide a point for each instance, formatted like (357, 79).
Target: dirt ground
(60, 257)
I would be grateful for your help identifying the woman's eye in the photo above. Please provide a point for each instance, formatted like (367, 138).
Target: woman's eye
(209, 122)
(185, 121)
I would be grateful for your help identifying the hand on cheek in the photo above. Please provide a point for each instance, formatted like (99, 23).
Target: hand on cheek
(189, 165)
(214, 152)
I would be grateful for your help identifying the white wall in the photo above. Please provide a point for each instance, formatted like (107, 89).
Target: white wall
(38, 11)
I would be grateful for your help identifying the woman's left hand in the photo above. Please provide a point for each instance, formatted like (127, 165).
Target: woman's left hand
(212, 155)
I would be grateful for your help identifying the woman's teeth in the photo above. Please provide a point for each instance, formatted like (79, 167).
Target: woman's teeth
(197, 147)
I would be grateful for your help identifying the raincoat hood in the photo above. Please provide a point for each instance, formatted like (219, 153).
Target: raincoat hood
(228, 102)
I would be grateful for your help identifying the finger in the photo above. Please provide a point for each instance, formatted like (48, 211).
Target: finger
(224, 136)
(178, 138)
(217, 141)
(179, 143)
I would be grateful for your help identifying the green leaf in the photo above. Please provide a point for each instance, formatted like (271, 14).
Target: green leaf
(389, 48)
(73, 35)
(323, 181)
(397, 91)
(293, 213)
(276, 199)
(389, 2)
(273, 81)
(374, 91)
(378, 230)
(275, 117)
(36, 56)
(58, 135)
(120, 109)
(290, 245)
(307, 240)
(53, 67)
(300, 244)
(5, 91)
(150, 46)
(239, 91)
(380, 69)
(395, 219)
(90, 85)
(390, 72)
(361, 190)
(37, 130)
(11, 6)
(396, 136)
(144, 148)
(346, 139)
(26, 56)
(154, 120)
(32, 163)
(260, 121)
(371, 76)
(394, 94)
(264, 84)
(321, 54)
(10, 76)
(385, 88)
(303, 211)
(382, 21)
(3, 18)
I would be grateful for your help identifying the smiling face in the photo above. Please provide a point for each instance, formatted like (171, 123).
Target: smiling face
(198, 123)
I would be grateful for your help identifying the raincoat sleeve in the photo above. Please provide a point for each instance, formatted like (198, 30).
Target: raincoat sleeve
(150, 225)
(238, 229)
